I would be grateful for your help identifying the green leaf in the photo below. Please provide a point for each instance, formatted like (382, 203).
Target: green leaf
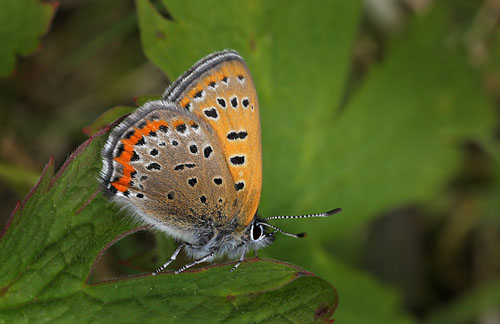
(57, 232)
(23, 22)
(401, 135)
(64, 224)
(357, 289)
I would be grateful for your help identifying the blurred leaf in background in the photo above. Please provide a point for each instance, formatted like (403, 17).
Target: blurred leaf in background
(89, 61)
(387, 114)
(23, 22)
(20, 37)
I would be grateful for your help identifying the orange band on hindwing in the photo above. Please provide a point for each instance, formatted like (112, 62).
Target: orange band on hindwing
(123, 183)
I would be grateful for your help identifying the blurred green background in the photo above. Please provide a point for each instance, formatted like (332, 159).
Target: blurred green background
(388, 109)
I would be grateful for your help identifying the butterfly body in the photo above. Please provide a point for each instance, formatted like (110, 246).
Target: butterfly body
(190, 164)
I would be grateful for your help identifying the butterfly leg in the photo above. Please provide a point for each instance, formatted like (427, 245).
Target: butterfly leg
(239, 262)
(172, 258)
(255, 253)
(195, 262)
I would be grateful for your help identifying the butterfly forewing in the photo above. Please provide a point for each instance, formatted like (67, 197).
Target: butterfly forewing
(220, 91)
(168, 166)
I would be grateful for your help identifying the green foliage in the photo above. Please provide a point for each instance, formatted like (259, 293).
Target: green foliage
(22, 23)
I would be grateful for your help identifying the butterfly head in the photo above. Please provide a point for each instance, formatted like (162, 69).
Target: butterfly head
(260, 233)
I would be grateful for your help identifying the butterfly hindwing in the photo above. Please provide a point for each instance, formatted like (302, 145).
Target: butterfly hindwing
(167, 166)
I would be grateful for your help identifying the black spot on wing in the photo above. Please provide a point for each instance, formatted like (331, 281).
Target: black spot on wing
(237, 160)
(221, 102)
(120, 150)
(211, 113)
(192, 181)
(239, 185)
(141, 142)
(135, 157)
(207, 151)
(181, 128)
(236, 135)
(234, 102)
(129, 134)
(153, 166)
(232, 136)
(198, 95)
(181, 166)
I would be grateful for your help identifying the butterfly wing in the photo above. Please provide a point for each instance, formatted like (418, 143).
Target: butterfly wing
(220, 91)
(167, 166)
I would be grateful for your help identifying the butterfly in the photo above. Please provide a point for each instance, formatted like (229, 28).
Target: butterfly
(190, 164)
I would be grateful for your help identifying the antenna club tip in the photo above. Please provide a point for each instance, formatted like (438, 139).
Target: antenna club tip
(334, 211)
(301, 235)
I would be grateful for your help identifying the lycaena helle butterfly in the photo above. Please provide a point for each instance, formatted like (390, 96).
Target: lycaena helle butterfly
(191, 163)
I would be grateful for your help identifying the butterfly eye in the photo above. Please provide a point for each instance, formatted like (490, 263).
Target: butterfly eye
(256, 232)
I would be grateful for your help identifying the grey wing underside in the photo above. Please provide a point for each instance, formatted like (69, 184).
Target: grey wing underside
(180, 181)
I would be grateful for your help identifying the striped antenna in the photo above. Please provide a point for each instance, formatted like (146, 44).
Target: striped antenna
(326, 214)
(283, 232)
